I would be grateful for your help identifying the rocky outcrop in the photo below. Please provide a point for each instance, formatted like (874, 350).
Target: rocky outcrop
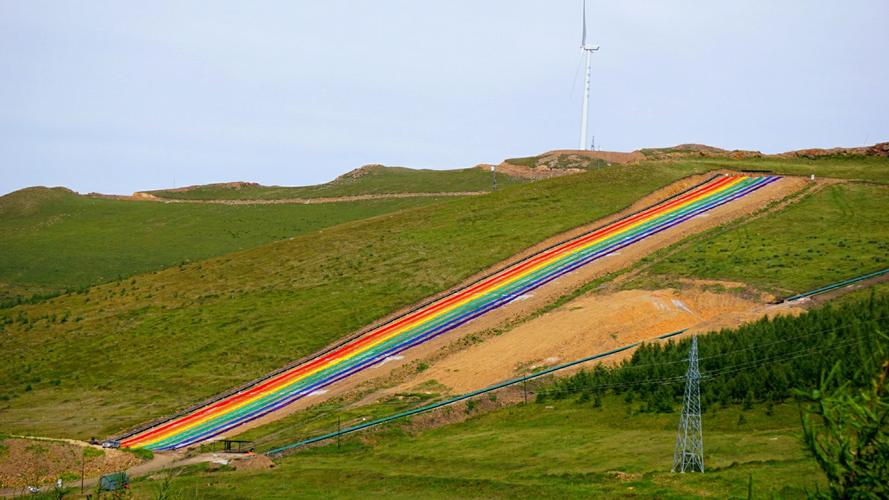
(360, 172)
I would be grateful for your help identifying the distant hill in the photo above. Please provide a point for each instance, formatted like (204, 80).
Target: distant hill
(866, 162)
(54, 239)
(366, 180)
(383, 180)
(30, 200)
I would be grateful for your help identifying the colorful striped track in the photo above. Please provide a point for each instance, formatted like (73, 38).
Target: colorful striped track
(438, 317)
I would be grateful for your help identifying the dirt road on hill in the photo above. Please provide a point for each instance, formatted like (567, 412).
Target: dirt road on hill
(288, 201)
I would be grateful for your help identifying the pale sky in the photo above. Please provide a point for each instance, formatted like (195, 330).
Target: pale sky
(123, 96)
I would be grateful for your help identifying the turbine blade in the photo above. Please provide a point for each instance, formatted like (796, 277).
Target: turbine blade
(583, 32)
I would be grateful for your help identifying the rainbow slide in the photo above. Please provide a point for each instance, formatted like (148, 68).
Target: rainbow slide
(438, 317)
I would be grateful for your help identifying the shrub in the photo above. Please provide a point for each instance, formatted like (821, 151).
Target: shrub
(90, 452)
(143, 453)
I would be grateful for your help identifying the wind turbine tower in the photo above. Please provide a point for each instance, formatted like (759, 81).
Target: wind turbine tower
(587, 50)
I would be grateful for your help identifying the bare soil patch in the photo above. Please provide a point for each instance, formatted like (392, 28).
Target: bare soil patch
(586, 326)
(26, 462)
(253, 462)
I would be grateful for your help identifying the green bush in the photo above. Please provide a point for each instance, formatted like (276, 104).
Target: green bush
(143, 453)
(90, 452)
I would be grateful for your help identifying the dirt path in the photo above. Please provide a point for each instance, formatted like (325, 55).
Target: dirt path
(289, 201)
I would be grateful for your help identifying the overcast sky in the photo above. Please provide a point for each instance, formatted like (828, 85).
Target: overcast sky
(123, 96)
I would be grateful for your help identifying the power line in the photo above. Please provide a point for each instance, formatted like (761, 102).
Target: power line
(668, 380)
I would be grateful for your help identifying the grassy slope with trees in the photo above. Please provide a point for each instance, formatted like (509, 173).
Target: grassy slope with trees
(54, 239)
(374, 179)
(605, 431)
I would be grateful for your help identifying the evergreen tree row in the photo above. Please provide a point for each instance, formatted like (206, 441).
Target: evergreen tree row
(758, 362)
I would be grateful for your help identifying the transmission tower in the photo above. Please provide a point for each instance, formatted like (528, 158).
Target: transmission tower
(689, 454)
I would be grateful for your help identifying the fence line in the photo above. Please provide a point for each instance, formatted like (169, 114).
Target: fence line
(834, 286)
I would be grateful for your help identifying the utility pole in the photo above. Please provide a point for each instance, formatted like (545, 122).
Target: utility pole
(689, 453)
(494, 176)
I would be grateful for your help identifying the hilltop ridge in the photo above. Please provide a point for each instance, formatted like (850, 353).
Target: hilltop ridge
(378, 179)
(29, 200)
(571, 161)
(373, 179)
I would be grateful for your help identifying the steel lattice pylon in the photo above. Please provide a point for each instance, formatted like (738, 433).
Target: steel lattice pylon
(689, 454)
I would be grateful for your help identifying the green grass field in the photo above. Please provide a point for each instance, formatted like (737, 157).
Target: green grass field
(866, 168)
(838, 232)
(376, 179)
(560, 449)
(55, 240)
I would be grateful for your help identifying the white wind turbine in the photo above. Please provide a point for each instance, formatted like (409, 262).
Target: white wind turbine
(588, 50)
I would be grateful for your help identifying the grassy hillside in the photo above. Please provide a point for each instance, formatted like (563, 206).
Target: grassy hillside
(866, 168)
(597, 432)
(99, 361)
(758, 362)
(833, 233)
(564, 449)
(105, 352)
(54, 239)
(373, 179)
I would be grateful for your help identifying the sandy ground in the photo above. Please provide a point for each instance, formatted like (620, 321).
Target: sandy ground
(585, 326)
(540, 342)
